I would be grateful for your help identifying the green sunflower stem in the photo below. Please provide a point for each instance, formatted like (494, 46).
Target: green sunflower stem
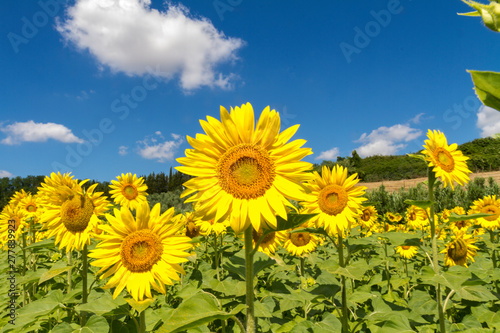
(68, 258)
(344, 319)
(302, 266)
(142, 322)
(250, 324)
(494, 256)
(435, 263)
(83, 317)
(216, 255)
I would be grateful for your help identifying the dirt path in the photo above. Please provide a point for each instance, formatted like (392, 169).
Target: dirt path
(394, 185)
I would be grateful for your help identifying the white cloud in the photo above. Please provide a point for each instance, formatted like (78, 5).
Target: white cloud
(123, 150)
(386, 140)
(328, 155)
(152, 149)
(4, 173)
(37, 132)
(488, 121)
(128, 36)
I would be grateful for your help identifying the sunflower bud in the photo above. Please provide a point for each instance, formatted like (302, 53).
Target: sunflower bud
(490, 13)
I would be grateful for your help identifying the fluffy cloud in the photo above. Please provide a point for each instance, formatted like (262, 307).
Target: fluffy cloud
(329, 155)
(488, 121)
(156, 148)
(123, 150)
(128, 36)
(4, 173)
(386, 140)
(37, 132)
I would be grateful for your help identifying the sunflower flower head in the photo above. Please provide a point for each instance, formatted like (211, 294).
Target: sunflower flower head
(447, 162)
(245, 173)
(460, 250)
(335, 198)
(270, 243)
(407, 251)
(368, 217)
(71, 213)
(489, 205)
(128, 191)
(141, 252)
(301, 242)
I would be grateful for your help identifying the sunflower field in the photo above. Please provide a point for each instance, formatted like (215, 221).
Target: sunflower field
(269, 246)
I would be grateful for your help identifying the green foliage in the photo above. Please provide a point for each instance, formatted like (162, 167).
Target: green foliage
(168, 200)
(484, 155)
(445, 198)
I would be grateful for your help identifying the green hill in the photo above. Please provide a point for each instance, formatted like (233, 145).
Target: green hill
(484, 155)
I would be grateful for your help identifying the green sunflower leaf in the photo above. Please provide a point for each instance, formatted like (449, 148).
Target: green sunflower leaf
(95, 324)
(198, 310)
(487, 86)
(292, 221)
(424, 204)
(454, 217)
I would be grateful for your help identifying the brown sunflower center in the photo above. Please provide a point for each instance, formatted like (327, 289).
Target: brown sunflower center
(246, 171)
(300, 238)
(412, 216)
(444, 159)
(366, 215)
(460, 224)
(405, 247)
(130, 192)
(192, 230)
(141, 250)
(458, 250)
(31, 207)
(332, 199)
(76, 213)
(257, 235)
(491, 209)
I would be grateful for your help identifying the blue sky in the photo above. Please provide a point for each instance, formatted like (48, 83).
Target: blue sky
(104, 87)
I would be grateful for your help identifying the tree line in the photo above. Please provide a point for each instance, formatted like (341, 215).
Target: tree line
(157, 183)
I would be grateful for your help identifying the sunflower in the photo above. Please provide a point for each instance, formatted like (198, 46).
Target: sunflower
(490, 205)
(447, 162)
(271, 241)
(191, 229)
(406, 251)
(368, 217)
(242, 172)
(335, 198)
(128, 191)
(456, 226)
(460, 250)
(12, 218)
(416, 218)
(298, 243)
(393, 217)
(70, 213)
(17, 197)
(57, 188)
(141, 252)
(29, 205)
(208, 227)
